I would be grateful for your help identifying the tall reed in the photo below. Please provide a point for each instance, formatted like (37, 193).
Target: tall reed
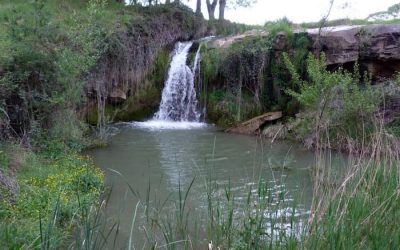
(359, 210)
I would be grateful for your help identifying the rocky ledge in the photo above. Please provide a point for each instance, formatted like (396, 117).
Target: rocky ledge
(350, 43)
(376, 47)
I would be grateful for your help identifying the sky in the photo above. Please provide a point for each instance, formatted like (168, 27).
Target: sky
(300, 11)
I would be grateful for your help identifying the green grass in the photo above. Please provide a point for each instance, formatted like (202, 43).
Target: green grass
(362, 211)
(4, 160)
(52, 192)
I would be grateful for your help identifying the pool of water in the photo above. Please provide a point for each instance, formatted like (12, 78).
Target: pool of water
(167, 157)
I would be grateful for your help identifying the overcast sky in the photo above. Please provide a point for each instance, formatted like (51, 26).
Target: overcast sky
(302, 10)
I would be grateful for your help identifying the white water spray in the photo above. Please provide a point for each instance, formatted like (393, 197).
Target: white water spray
(179, 101)
(179, 107)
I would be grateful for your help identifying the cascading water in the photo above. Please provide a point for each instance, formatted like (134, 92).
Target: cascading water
(179, 101)
(179, 107)
(197, 72)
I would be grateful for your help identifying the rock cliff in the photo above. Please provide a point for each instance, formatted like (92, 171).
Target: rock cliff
(377, 47)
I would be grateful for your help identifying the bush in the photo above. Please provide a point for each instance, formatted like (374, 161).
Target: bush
(281, 25)
(47, 59)
(341, 104)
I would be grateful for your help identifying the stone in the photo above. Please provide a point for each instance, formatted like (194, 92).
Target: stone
(117, 95)
(253, 126)
(280, 41)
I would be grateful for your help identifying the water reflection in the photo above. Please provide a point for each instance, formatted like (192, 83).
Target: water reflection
(167, 158)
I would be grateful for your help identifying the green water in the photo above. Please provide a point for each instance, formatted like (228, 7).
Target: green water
(167, 158)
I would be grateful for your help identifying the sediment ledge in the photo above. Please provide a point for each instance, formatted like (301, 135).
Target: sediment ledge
(377, 45)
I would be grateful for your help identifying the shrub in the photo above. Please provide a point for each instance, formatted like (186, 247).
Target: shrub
(47, 59)
(281, 25)
(341, 104)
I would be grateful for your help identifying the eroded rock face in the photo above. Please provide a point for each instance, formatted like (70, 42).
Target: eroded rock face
(370, 43)
(377, 47)
(123, 70)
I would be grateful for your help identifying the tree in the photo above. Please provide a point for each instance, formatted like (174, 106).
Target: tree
(198, 7)
(211, 8)
(222, 6)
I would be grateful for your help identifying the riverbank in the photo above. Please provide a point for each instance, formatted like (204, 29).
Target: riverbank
(52, 193)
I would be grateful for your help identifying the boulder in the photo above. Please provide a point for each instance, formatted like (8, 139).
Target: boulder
(253, 126)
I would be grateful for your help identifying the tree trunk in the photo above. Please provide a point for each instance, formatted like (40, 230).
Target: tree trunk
(211, 8)
(222, 5)
(198, 7)
(168, 2)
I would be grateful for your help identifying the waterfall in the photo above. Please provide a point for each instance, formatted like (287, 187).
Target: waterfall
(178, 102)
(196, 63)
(196, 71)
(179, 106)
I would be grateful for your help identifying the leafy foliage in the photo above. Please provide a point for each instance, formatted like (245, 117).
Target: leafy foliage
(340, 103)
(241, 67)
(251, 74)
(46, 63)
(280, 25)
